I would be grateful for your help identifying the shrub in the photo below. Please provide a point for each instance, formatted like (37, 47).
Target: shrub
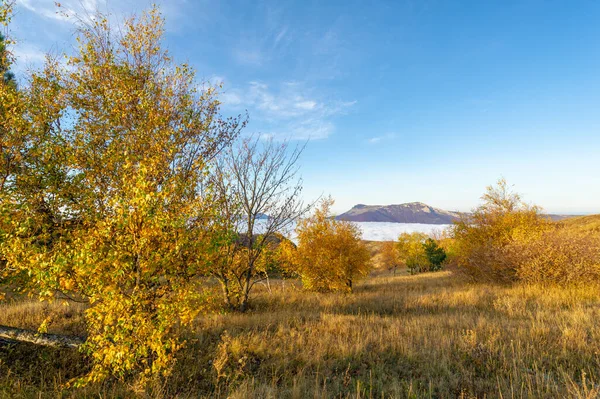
(483, 240)
(506, 240)
(411, 253)
(420, 253)
(435, 254)
(330, 255)
(559, 256)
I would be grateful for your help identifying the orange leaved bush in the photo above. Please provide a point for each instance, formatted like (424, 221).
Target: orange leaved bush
(506, 240)
(483, 239)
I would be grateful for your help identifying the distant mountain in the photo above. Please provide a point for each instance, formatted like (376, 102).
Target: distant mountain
(412, 212)
(558, 218)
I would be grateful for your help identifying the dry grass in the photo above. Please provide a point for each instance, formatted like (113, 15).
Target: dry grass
(583, 224)
(429, 335)
(375, 248)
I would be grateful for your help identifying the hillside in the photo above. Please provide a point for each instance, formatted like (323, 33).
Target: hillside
(583, 224)
(412, 212)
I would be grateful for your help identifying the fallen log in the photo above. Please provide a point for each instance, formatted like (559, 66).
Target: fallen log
(53, 340)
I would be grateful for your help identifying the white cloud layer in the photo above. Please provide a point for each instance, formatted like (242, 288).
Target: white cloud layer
(378, 231)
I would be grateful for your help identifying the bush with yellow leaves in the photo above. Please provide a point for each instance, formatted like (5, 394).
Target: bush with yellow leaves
(483, 239)
(559, 256)
(330, 255)
(506, 240)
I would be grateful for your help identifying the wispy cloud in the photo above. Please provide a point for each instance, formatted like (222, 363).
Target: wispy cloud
(307, 105)
(280, 35)
(257, 49)
(289, 111)
(378, 139)
(27, 56)
(310, 129)
(75, 11)
(68, 8)
(29, 53)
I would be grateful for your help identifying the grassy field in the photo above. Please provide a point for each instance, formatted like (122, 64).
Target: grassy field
(431, 335)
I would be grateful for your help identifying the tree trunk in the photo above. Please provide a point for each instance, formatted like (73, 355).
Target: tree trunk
(247, 285)
(226, 295)
(53, 340)
(245, 296)
(268, 283)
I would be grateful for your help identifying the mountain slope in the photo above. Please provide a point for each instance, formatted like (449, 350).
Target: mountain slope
(583, 224)
(412, 212)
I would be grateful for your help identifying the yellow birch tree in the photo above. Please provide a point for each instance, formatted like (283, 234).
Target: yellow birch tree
(109, 208)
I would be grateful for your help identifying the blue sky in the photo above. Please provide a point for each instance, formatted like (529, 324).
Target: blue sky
(402, 101)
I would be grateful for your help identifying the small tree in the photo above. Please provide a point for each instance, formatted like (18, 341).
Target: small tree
(258, 194)
(390, 256)
(330, 255)
(435, 254)
(412, 253)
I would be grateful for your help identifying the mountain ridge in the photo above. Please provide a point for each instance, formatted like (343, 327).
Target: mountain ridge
(410, 212)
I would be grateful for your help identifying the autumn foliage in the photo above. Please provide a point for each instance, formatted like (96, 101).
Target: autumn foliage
(506, 240)
(122, 188)
(559, 256)
(483, 240)
(412, 253)
(330, 255)
(390, 257)
(101, 201)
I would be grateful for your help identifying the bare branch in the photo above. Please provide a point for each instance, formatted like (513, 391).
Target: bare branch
(257, 179)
